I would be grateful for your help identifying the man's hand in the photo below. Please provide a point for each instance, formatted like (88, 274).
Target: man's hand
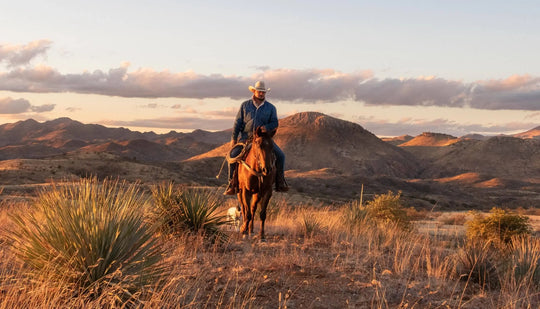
(233, 142)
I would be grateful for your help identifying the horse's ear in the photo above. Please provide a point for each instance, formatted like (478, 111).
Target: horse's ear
(258, 131)
(273, 132)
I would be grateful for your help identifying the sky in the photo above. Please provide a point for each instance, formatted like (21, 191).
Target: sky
(393, 67)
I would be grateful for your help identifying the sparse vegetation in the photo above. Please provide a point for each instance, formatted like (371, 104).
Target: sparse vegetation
(90, 238)
(179, 210)
(312, 259)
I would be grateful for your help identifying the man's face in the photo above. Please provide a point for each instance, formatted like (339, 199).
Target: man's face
(260, 94)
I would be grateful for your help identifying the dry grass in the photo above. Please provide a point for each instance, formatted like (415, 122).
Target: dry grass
(310, 260)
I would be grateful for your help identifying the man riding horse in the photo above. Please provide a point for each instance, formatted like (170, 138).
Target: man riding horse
(254, 113)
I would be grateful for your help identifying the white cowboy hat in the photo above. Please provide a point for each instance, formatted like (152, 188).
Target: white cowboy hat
(259, 86)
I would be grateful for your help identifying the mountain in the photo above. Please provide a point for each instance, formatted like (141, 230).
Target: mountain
(314, 141)
(431, 139)
(31, 139)
(499, 156)
(396, 141)
(533, 133)
(326, 158)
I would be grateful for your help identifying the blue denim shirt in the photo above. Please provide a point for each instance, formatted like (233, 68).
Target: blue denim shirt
(250, 117)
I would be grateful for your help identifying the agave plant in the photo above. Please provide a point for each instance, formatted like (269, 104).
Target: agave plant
(188, 210)
(90, 234)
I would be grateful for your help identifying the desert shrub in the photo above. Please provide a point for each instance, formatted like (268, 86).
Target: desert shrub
(477, 262)
(309, 223)
(387, 208)
(91, 235)
(498, 227)
(383, 209)
(179, 210)
(354, 214)
(523, 262)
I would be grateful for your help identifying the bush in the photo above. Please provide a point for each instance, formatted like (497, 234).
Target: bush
(383, 209)
(187, 210)
(498, 227)
(90, 235)
(387, 208)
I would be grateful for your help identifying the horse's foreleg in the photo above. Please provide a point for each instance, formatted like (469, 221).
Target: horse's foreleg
(264, 205)
(245, 198)
(254, 202)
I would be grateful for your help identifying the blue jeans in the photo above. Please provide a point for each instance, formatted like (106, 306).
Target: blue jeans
(280, 161)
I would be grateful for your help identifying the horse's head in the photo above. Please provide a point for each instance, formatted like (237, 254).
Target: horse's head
(263, 148)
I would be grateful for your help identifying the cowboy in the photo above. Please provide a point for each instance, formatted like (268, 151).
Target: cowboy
(254, 113)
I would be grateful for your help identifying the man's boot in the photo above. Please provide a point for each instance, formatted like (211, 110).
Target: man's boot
(281, 184)
(231, 189)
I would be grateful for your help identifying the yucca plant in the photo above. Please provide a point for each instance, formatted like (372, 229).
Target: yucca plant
(354, 214)
(91, 235)
(180, 210)
(478, 262)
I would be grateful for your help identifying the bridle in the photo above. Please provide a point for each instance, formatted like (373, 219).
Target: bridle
(264, 170)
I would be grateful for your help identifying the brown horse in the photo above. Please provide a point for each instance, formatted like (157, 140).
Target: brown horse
(256, 176)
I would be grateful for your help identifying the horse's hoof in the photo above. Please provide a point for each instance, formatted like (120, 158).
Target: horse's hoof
(263, 240)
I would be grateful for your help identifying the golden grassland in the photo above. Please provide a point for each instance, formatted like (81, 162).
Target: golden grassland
(311, 259)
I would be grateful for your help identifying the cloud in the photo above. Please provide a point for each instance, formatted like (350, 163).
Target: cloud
(514, 93)
(18, 106)
(414, 126)
(420, 91)
(296, 86)
(16, 55)
(12, 106)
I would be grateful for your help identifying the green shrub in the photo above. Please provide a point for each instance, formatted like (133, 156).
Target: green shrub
(498, 227)
(187, 210)
(91, 235)
(383, 209)
(387, 208)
